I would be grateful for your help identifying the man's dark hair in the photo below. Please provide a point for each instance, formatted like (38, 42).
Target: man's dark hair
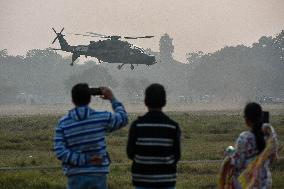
(80, 94)
(155, 96)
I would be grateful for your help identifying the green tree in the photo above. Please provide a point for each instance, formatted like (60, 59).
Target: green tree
(3, 53)
(278, 42)
(7, 92)
(240, 72)
(194, 57)
(42, 56)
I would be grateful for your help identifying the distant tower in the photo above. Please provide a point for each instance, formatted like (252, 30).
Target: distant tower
(166, 48)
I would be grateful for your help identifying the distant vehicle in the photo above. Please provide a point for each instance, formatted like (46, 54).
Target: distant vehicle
(26, 98)
(110, 50)
(269, 100)
(185, 99)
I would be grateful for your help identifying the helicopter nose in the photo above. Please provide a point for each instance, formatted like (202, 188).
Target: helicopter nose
(152, 60)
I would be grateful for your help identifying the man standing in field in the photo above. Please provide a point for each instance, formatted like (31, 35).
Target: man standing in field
(154, 144)
(80, 139)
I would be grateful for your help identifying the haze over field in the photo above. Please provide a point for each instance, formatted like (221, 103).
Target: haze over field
(219, 52)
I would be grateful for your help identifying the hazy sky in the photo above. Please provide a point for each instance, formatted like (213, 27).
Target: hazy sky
(205, 25)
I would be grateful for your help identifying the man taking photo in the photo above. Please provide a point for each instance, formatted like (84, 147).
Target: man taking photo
(80, 138)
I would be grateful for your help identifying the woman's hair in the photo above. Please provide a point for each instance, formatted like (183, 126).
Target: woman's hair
(253, 113)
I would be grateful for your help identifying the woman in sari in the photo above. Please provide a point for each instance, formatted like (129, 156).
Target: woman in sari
(248, 166)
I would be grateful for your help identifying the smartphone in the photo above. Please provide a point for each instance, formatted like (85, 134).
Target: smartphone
(95, 91)
(265, 117)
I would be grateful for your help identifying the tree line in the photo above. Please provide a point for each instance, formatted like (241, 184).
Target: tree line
(237, 73)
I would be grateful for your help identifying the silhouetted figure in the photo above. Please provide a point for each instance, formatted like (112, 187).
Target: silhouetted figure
(154, 144)
(80, 139)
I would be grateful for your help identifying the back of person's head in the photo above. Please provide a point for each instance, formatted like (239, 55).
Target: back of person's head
(253, 114)
(80, 94)
(155, 96)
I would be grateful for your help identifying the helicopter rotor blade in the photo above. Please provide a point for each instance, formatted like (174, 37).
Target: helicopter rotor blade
(61, 30)
(93, 34)
(84, 35)
(130, 38)
(54, 30)
(147, 36)
(97, 34)
(75, 33)
(54, 40)
(139, 37)
(106, 36)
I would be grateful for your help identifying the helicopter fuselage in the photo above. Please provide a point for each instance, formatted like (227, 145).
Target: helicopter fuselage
(110, 50)
(114, 52)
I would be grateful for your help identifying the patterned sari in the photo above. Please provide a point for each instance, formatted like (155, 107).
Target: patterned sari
(252, 171)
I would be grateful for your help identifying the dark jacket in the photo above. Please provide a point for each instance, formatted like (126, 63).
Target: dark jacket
(154, 146)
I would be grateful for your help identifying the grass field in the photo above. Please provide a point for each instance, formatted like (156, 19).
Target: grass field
(27, 141)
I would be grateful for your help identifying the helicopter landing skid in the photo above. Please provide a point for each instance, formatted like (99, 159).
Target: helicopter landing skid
(120, 66)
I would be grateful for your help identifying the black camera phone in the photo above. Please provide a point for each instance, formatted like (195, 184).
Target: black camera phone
(95, 91)
(265, 117)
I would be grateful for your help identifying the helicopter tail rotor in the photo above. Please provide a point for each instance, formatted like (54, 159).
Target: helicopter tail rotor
(57, 34)
(54, 39)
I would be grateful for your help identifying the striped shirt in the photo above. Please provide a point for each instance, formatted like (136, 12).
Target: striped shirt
(154, 147)
(81, 134)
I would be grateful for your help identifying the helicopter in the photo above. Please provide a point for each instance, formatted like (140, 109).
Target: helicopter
(111, 49)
